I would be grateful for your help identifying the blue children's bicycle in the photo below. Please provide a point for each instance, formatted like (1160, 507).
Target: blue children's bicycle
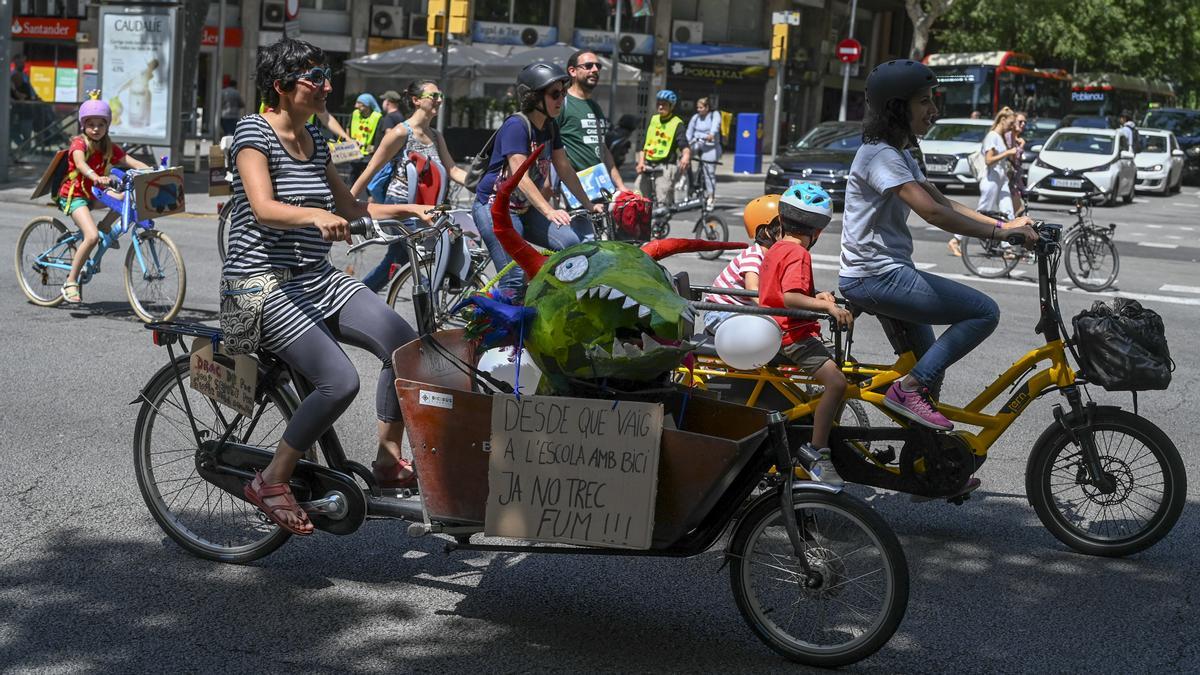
(155, 279)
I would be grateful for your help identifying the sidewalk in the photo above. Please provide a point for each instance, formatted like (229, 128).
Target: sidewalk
(725, 172)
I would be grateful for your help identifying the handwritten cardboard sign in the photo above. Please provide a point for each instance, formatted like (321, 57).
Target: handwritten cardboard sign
(159, 193)
(571, 470)
(234, 386)
(344, 152)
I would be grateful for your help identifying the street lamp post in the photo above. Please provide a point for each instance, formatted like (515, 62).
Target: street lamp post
(616, 63)
(846, 66)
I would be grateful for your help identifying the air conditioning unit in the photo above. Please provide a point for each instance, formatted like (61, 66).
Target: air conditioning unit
(417, 26)
(687, 32)
(387, 22)
(531, 36)
(273, 15)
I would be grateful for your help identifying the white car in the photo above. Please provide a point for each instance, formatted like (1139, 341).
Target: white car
(1080, 160)
(1159, 162)
(947, 146)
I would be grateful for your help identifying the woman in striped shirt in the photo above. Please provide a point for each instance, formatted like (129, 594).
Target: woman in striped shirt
(290, 205)
(761, 218)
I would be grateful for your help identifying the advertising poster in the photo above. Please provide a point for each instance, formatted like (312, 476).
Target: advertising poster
(41, 78)
(66, 85)
(135, 71)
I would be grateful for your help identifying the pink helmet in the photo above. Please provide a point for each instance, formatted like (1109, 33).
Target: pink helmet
(94, 107)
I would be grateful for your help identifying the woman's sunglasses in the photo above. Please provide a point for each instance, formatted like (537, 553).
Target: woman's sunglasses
(316, 75)
(555, 94)
(436, 96)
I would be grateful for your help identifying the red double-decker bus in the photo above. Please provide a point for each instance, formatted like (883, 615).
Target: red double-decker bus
(985, 82)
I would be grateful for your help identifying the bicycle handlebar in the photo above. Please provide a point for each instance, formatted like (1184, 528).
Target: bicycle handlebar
(366, 226)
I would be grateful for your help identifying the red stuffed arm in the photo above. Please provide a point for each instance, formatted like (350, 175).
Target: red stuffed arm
(521, 251)
(661, 248)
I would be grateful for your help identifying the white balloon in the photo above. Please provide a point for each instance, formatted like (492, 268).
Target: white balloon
(501, 363)
(748, 341)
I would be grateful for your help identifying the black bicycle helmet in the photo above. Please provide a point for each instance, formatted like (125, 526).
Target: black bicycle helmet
(538, 76)
(899, 78)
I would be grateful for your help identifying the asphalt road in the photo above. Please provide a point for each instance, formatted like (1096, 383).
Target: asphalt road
(89, 583)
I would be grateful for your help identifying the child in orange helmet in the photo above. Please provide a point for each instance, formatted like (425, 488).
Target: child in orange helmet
(761, 219)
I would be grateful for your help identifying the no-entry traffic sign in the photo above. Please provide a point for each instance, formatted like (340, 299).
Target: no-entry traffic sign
(849, 50)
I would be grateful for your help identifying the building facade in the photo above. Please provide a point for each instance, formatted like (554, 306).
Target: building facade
(713, 48)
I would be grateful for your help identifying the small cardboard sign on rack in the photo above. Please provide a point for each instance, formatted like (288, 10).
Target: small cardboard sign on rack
(344, 152)
(573, 470)
(228, 380)
(159, 193)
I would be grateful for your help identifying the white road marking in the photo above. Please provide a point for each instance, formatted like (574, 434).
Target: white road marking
(1155, 227)
(1155, 244)
(1174, 236)
(1149, 297)
(1182, 204)
(1176, 288)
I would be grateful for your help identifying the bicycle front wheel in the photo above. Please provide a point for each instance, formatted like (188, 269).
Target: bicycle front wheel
(223, 225)
(861, 594)
(989, 259)
(201, 517)
(156, 280)
(711, 227)
(1092, 260)
(44, 240)
(1149, 481)
(400, 290)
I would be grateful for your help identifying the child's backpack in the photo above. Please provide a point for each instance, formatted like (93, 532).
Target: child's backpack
(52, 177)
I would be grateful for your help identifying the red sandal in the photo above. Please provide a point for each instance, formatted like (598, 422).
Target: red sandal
(258, 497)
(389, 478)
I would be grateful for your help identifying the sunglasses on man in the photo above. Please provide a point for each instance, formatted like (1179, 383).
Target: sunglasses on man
(317, 75)
(592, 65)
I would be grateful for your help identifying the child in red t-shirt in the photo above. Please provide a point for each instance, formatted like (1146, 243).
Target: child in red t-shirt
(89, 157)
(787, 281)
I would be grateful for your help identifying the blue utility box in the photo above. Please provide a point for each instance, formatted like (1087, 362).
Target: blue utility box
(747, 149)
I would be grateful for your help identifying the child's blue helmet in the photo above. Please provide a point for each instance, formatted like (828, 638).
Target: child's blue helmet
(806, 203)
(668, 96)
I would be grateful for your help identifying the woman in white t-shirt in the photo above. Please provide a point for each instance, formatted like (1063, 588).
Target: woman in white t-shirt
(995, 189)
(877, 273)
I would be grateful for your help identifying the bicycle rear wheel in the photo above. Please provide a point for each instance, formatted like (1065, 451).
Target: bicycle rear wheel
(862, 592)
(223, 225)
(201, 517)
(1092, 260)
(49, 237)
(711, 227)
(989, 259)
(155, 285)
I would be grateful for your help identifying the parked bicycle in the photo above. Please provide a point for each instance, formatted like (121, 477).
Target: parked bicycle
(1089, 253)
(155, 278)
(708, 226)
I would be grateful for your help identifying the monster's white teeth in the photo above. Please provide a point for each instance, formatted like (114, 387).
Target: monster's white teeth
(649, 344)
(594, 292)
(614, 294)
(579, 294)
(629, 302)
(618, 349)
(643, 312)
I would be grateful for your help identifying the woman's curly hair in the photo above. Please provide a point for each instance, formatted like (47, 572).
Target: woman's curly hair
(891, 125)
(280, 62)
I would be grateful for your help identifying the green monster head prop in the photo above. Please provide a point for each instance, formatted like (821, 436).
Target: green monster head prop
(605, 310)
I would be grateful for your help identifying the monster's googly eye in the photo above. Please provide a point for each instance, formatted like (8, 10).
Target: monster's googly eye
(571, 269)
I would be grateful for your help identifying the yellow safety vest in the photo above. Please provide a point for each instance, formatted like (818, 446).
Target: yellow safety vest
(659, 138)
(363, 130)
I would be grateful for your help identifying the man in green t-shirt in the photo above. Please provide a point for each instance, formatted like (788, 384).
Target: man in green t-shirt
(582, 124)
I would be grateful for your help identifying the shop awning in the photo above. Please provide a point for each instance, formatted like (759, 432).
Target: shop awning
(508, 60)
(422, 61)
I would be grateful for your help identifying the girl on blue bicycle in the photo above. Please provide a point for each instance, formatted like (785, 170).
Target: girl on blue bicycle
(89, 157)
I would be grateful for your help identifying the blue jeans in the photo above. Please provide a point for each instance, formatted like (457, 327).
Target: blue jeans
(536, 229)
(925, 300)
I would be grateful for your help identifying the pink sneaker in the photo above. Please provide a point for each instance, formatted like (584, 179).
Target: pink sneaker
(916, 406)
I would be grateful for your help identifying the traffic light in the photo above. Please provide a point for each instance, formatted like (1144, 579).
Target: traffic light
(459, 11)
(779, 38)
(435, 25)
